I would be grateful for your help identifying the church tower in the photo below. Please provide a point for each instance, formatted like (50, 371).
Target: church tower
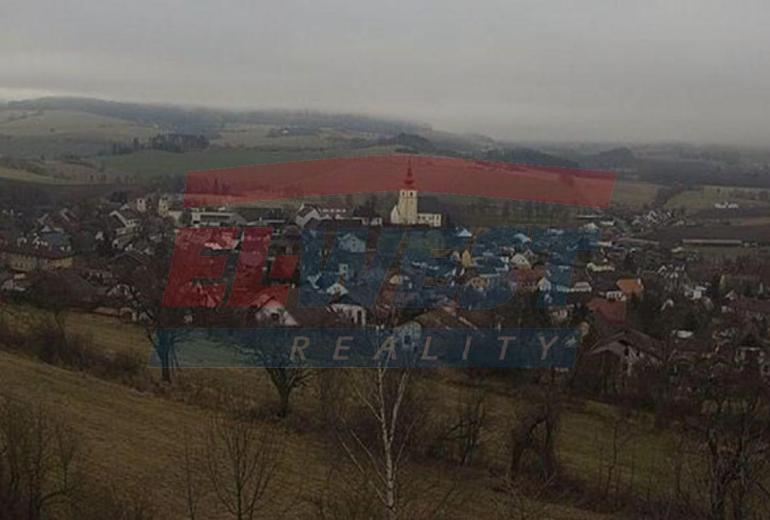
(405, 210)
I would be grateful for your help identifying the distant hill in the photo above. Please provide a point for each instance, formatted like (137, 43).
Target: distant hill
(528, 156)
(413, 142)
(61, 127)
(621, 157)
(51, 122)
(209, 121)
(459, 142)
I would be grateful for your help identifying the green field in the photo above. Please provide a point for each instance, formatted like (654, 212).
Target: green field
(634, 194)
(56, 133)
(25, 176)
(257, 136)
(707, 196)
(150, 163)
(46, 123)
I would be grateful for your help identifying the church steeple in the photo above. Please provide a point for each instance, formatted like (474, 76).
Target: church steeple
(405, 212)
(409, 179)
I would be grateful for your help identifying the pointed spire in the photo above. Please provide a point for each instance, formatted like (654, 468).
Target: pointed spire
(409, 179)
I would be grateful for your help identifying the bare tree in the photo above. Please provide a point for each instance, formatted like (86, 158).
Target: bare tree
(378, 429)
(163, 326)
(191, 476)
(285, 373)
(536, 432)
(609, 464)
(241, 464)
(381, 393)
(463, 433)
(729, 422)
(49, 293)
(39, 468)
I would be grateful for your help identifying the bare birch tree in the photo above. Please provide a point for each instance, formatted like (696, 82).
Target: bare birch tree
(377, 445)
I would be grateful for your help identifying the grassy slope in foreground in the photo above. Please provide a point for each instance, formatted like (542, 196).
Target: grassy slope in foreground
(134, 439)
(584, 441)
(129, 438)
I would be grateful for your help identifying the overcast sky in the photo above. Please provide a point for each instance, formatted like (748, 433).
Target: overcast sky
(691, 70)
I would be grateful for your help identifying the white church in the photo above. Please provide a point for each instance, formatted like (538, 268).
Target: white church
(406, 213)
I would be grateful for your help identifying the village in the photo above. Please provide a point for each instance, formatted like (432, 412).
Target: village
(636, 301)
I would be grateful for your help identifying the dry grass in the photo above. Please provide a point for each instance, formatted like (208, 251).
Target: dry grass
(135, 437)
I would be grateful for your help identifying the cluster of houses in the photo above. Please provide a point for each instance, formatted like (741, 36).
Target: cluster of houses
(76, 245)
(590, 276)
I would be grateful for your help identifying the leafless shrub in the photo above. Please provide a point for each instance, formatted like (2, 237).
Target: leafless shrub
(286, 374)
(39, 463)
(522, 499)
(8, 333)
(330, 388)
(535, 433)
(460, 437)
(720, 462)
(343, 498)
(53, 345)
(49, 342)
(241, 462)
(190, 475)
(101, 501)
(614, 483)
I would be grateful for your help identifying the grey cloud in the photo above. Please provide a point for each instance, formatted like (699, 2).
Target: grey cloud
(694, 70)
